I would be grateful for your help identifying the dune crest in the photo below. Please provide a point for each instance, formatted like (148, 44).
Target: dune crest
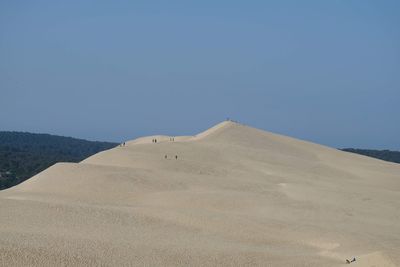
(232, 195)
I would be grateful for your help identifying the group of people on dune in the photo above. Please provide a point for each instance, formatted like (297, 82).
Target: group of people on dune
(166, 156)
(172, 139)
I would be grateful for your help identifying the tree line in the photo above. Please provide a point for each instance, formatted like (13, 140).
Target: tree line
(22, 155)
(387, 155)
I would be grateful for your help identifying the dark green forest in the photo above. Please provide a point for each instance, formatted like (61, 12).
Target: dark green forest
(387, 155)
(22, 155)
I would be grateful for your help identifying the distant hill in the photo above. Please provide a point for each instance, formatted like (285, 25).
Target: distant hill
(22, 155)
(387, 155)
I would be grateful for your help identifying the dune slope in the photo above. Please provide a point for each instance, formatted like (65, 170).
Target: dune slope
(232, 195)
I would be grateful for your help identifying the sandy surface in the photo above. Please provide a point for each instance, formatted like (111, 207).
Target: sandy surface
(236, 196)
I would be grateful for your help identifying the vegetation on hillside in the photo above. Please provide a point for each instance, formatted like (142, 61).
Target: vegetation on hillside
(388, 155)
(22, 155)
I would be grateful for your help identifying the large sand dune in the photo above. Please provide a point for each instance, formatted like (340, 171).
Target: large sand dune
(235, 196)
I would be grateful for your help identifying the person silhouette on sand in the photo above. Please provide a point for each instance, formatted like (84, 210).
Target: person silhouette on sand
(348, 261)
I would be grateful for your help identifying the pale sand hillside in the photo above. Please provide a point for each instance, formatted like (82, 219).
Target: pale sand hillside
(236, 196)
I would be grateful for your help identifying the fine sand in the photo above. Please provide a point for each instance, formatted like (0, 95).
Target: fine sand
(235, 196)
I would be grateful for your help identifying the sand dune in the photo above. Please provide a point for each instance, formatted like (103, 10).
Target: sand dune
(234, 196)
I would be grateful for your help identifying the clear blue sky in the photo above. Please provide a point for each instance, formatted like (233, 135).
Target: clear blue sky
(325, 71)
